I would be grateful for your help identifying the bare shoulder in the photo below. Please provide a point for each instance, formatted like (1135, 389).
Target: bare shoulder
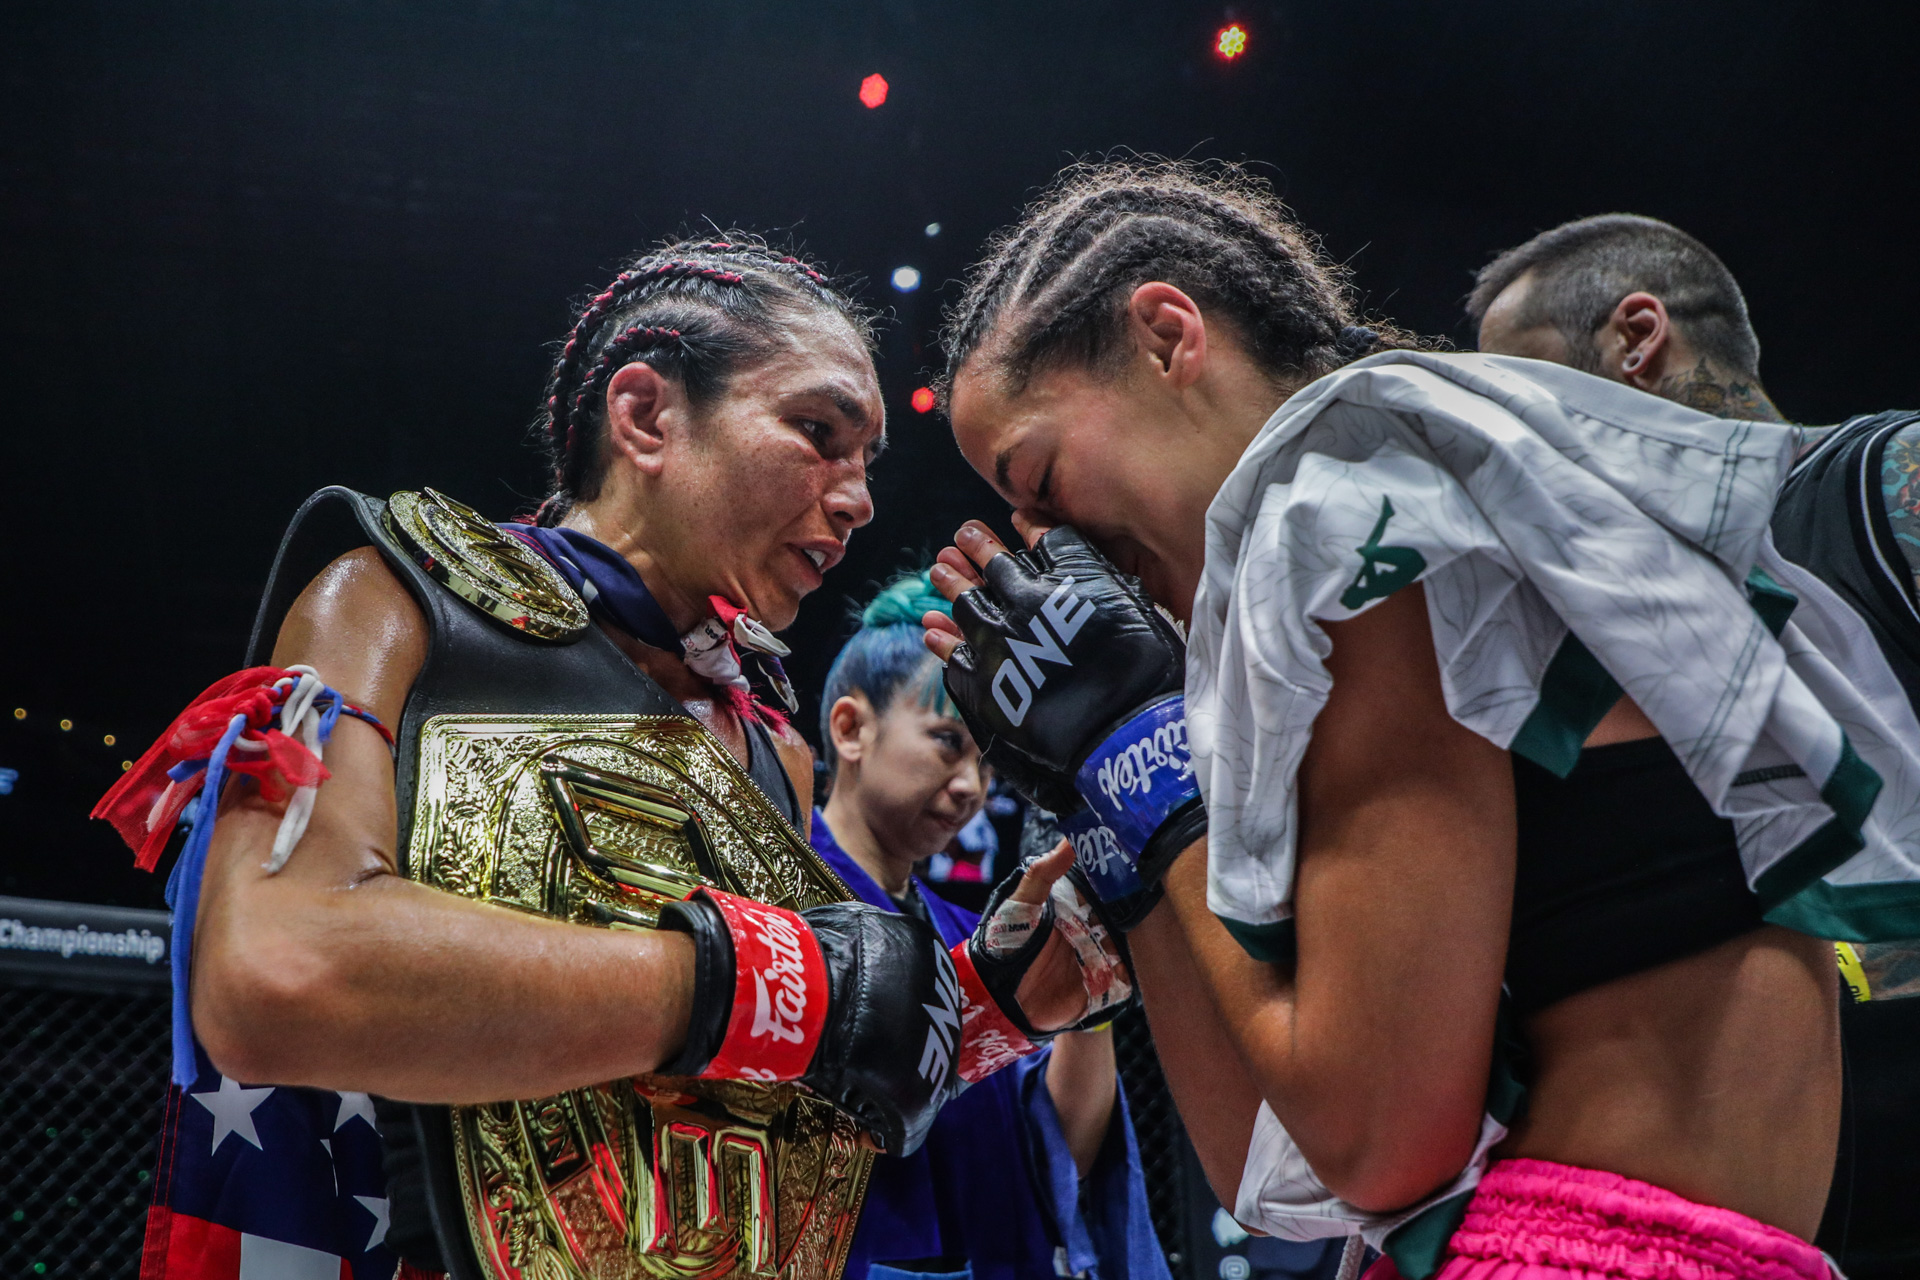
(359, 627)
(797, 758)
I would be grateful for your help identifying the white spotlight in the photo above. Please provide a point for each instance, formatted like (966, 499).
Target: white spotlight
(906, 279)
(933, 229)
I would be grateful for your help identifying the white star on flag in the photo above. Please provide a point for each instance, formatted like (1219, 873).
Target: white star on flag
(232, 1109)
(378, 1208)
(351, 1105)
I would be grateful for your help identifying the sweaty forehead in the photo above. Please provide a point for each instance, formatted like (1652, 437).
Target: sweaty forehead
(988, 424)
(829, 360)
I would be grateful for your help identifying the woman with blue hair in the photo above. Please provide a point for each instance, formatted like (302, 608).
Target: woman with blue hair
(1033, 1172)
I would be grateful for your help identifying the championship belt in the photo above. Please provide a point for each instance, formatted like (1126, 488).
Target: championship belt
(599, 821)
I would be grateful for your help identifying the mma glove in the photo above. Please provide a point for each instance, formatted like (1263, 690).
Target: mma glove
(1072, 683)
(1007, 943)
(859, 1004)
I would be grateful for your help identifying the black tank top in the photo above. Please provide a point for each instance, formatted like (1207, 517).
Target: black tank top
(1622, 866)
(1832, 519)
(473, 665)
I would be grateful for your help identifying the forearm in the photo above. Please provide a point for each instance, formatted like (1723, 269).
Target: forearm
(376, 984)
(1377, 1119)
(1212, 1089)
(1083, 1083)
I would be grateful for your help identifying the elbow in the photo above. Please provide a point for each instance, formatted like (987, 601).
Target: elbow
(260, 1008)
(1394, 1168)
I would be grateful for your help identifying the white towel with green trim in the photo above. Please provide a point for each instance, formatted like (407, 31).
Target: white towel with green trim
(1576, 538)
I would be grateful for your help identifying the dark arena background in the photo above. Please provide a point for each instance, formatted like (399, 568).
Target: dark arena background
(250, 249)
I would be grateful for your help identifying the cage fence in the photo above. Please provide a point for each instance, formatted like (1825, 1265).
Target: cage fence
(83, 1085)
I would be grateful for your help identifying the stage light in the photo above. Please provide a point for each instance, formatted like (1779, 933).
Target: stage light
(19, 713)
(66, 725)
(906, 279)
(7, 778)
(933, 229)
(873, 91)
(1231, 42)
(923, 400)
(125, 765)
(108, 739)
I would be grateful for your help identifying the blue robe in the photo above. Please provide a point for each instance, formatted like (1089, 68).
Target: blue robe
(994, 1194)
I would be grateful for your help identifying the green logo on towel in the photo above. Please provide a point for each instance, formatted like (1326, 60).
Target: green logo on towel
(1383, 570)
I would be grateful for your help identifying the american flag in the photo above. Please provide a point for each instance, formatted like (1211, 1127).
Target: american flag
(258, 1182)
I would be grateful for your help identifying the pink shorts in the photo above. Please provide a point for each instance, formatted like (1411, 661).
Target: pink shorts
(1534, 1220)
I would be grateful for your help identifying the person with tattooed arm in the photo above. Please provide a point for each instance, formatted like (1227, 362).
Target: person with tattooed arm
(1482, 833)
(1641, 302)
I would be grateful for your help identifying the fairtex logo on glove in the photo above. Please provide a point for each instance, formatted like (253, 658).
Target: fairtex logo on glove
(1097, 852)
(1134, 779)
(1018, 676)
(988, 1039)
(780, 993)
(1131, 758)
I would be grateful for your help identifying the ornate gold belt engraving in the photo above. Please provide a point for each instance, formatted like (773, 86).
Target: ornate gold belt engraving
(600, 820)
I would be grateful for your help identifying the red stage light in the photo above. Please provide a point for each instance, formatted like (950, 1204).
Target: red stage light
(873, 91)
(1231, 42)
(923, 400)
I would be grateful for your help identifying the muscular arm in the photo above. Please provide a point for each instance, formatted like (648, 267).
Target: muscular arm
(339, 973)
(1374, 1051)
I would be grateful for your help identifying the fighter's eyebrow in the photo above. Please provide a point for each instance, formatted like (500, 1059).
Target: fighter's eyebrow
(1001, 463)
(851, 409)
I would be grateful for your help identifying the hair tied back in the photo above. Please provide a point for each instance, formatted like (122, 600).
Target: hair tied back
(1357, 340)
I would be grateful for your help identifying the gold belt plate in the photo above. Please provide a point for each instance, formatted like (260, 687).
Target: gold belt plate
(600, 820)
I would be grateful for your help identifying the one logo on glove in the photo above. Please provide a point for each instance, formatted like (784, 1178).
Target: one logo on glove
(1019, 675)
(943, 1028)
(780, 1005)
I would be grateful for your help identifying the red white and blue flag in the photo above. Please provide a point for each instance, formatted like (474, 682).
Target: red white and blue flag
(266, 1183)
(254, 1182)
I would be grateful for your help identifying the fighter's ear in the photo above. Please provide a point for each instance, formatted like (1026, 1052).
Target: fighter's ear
(642, 408)
(1635, 345)
(1169, 330)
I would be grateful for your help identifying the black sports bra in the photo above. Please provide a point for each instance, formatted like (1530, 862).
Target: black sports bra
(1623, 866)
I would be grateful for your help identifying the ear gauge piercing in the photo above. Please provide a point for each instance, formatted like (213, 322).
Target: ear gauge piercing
(1632, 361)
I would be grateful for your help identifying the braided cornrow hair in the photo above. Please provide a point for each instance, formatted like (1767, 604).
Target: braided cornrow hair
(696, 310)
(1053, 288)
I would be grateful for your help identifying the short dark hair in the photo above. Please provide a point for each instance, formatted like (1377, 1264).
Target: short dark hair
(693, 309)
(1582, 269)
(1052, 289)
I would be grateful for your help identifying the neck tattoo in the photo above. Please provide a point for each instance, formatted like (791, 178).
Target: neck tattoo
(1704, 389)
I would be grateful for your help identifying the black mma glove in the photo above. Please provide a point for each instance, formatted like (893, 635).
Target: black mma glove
(1010, 937)
(1070, 678)
(857, 1003)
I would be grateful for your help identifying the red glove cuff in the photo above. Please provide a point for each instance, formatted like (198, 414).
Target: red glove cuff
(988, 1040)
(779, 993)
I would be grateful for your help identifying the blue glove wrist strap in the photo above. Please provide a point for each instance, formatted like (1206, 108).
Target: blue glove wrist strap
(1112, 871)
(1136, 778)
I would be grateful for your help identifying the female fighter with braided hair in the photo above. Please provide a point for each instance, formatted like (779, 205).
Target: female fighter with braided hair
(1533, 776)
(711, 419)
